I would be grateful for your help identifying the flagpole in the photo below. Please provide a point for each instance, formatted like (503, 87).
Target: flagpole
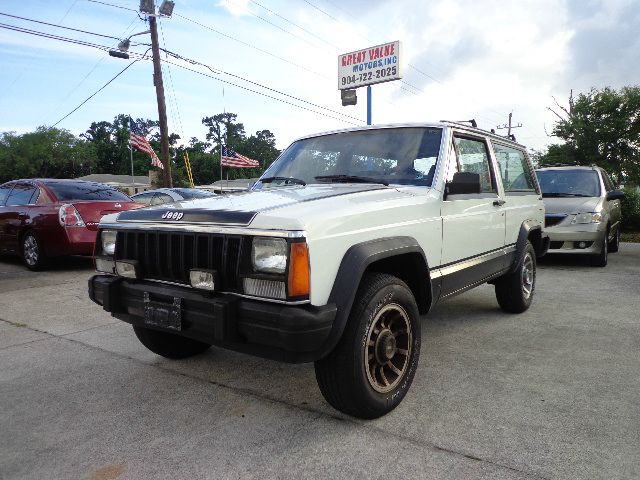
(133, 181)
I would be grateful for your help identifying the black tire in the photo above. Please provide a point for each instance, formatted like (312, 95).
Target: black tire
(32, 252)
(601, 259)
(168, 344)
(353, 378)
(614, 244)
(514, 291)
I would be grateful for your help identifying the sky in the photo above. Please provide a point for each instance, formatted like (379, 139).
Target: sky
(274, 62)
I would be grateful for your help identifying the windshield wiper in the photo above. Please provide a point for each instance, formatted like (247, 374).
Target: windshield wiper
(287, 179)
(351, 179)
(562, 194)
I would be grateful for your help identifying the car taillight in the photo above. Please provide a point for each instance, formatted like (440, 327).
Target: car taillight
(70, 217)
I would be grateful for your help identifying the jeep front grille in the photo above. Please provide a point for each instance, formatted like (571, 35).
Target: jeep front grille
(169, 256)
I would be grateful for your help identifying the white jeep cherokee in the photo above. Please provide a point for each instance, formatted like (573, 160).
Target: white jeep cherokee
(333, 255)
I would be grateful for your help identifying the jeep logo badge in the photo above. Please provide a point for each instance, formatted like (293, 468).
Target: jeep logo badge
(172, 215)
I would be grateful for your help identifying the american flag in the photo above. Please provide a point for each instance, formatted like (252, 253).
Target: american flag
(231, 158)
(138, 141)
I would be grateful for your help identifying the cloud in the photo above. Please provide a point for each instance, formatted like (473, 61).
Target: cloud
(605, 45)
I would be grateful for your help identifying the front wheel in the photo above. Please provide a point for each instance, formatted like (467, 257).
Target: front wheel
(614, 244)
(169, 345)
(601, 259)
(371, 369)
(514, 291)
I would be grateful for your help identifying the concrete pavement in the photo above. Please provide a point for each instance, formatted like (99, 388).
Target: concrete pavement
(551, 393)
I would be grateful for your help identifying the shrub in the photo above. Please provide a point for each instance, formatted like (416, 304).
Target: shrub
(631, 210)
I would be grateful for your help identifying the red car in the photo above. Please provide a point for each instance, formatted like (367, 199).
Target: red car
(45, 218)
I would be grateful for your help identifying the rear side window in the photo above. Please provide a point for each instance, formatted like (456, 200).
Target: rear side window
(191, 193)
(4, 192)
(22, 194)
(608, 184)
(472, 156)
(66, 191)
(161, 198)
(144, 198)
(514, 169)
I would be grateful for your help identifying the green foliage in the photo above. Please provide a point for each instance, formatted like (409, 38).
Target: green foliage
(601, 127)
(47, 152)
(631, 210)
(104, 148)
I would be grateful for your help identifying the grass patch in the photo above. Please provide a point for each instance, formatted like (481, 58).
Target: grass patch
(633, 237)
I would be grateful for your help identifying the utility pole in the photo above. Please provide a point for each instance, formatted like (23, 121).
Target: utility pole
(162, 107)
(509, 126)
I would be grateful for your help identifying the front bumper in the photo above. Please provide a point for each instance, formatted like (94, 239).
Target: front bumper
(567, 239)
(290, 333)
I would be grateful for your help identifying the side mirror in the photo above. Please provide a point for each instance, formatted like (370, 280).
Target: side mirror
(462, 183)
(615, 195)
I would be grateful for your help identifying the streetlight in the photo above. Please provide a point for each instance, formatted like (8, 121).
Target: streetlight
(124, 44)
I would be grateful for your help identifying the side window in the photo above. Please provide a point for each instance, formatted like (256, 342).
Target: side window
(472, 156)
(21, 194)
(161, 198)
(4, 192)
(144, 198)
(514, 169)
(608, 184)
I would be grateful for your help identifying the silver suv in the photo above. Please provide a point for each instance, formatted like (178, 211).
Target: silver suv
(582, 211)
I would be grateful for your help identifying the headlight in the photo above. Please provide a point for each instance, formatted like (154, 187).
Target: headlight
(108, 239)
(590, 217)
(269, 255)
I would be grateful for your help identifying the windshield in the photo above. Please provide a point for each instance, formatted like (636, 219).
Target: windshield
(569, 183)
(65, 191)
(191, 193)
(405, 156)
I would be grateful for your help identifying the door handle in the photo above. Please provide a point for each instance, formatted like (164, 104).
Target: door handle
(499, 202)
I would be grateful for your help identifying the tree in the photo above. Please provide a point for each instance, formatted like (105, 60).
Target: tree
(601, 127)
(47, 152)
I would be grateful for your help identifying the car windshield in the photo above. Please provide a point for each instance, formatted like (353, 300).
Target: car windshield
(191, 193)
(65, 191)
(569, 183)
(405, 156)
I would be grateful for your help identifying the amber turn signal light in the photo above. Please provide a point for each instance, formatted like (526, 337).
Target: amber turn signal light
(299, 270)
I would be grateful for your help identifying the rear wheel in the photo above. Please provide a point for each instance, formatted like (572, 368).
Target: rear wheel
(371, 369)
(514, 291)
(32, 253)
(169, 345)
(614, 244)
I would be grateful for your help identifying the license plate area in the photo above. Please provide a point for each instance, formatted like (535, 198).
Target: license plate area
(164, 315)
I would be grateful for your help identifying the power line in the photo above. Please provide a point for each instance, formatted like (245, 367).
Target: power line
(113, 5)
(239, 77)
(58, 26)
(262, 94)
(297, 65)
(52, 36)
(93, 69)
(194, 62)
(97, 91)
(294, 24)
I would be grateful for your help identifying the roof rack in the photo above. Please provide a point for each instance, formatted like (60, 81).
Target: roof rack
(474, 124)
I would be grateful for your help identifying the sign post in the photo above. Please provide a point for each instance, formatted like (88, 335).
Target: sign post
(367, 67)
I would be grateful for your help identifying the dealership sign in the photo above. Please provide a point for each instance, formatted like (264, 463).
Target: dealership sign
(369, 66)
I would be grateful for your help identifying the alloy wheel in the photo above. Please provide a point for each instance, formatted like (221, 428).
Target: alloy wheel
(388, 348)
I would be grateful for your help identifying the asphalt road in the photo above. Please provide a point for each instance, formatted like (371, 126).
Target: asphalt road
(551, 393)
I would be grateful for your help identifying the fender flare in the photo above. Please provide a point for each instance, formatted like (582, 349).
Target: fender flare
(526, 229)
(352, 267)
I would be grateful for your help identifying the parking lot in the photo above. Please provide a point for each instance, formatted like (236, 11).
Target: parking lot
(551, 393)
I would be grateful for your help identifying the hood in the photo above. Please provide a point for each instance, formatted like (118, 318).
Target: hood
(570, 205)
(240, 209)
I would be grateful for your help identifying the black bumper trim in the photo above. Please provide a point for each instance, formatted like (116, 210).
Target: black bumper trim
(290, 333)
